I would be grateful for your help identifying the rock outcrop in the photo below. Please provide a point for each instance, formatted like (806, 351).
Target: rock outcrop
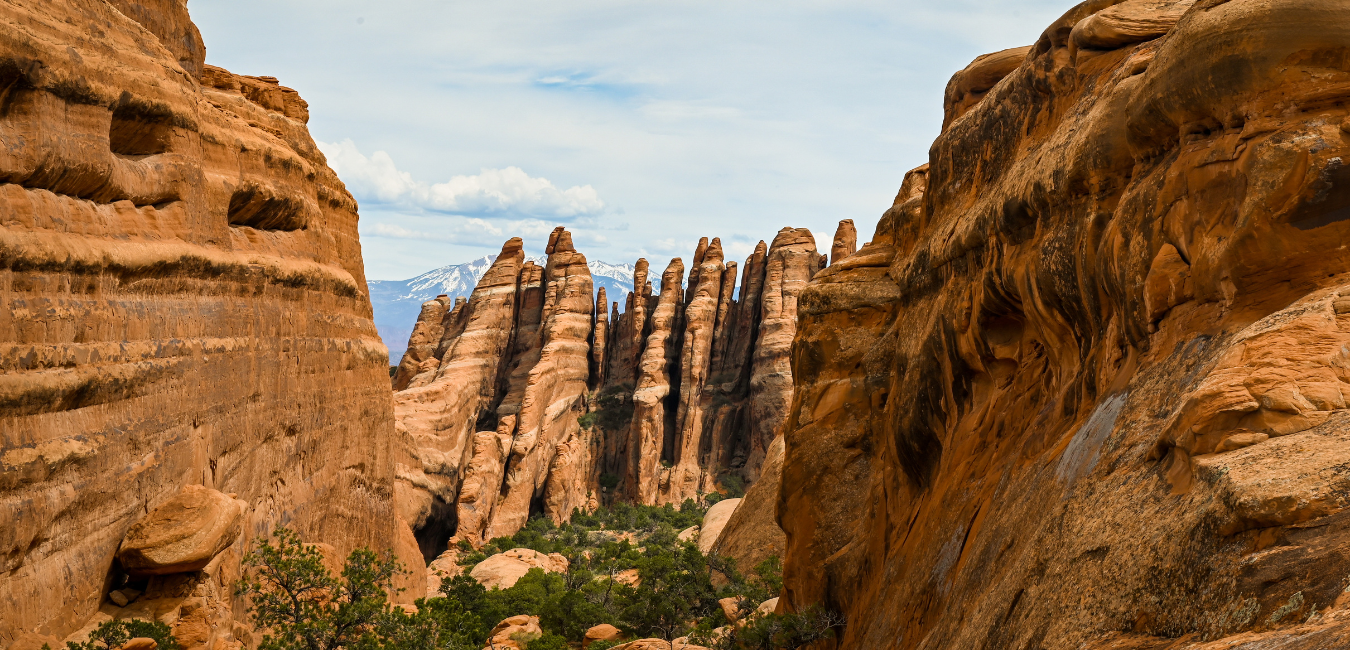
(182, 534)
(845, 241)
(503, 570)
(494, 414)
(1084, 387)
(791, 262)
(514, 633)
(184, 305)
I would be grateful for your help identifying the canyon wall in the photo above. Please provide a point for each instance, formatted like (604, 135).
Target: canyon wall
(1085, 387)
(184, 305)
(573, 404)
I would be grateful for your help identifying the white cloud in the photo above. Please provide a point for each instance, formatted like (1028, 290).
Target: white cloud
(491, 191)
(695, 118)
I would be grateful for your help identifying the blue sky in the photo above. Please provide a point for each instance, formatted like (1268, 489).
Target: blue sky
(639, 125)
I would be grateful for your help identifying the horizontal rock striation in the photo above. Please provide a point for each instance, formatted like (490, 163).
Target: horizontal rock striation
(184, 305)
(1085, 386)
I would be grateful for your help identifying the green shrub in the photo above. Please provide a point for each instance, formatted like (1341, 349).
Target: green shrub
(673, 597)
(114, 633)
(609, 481)
(304, 607)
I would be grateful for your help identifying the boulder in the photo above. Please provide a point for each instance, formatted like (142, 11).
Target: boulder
(767, 607)
(123, 597)
(681, 643)
(713, 522)
(140, 643)
(445, 566)
(601, 632)
(515, 633)
(183, 533)
(688, 534)
(501, 571)
(731, 607)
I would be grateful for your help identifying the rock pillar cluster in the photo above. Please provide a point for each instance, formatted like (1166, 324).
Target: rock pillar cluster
(531, 399)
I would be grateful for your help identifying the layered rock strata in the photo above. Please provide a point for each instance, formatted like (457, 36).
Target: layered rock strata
(1085, 386)
(184, 305)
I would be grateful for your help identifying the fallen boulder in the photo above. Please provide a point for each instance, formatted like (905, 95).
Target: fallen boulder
(601, 632)
(515, 632)
(183, 533)
(502, 570)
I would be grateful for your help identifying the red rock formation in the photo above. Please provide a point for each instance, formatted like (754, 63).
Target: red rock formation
(651, 400)
(555, 391)
(688, 478)
(441, 415)
(422, 343)
(599, 339)
(631, 329)
(184, 304)
(1084, 389)
(791, 262)
(845, 241)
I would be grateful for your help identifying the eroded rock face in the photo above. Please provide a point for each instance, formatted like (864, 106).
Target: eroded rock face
(184, 304)
(751, 533)
(182, 534)
(845, 241)
(1088, 375)
(791, 262)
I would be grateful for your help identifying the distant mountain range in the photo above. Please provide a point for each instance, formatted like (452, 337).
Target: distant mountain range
(398, 302)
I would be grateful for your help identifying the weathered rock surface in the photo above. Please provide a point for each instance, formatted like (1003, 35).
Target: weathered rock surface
(522, 628)
(422, 344)
(751, 534)
(791, 262)
(671, 386)
(184, 304)
(1084, 388)
(182, 534)
(501, 571)
(653, 412)
(714, 522)
(845, 241)
(601, 632)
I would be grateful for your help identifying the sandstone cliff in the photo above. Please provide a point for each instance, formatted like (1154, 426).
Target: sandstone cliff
(184, 305)
(1084, 387)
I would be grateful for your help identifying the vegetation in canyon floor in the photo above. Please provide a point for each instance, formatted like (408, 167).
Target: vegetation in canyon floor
(676, 593)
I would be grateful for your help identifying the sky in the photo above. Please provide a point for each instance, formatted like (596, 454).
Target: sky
(641, 126)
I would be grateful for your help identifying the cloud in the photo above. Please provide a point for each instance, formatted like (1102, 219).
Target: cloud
(469, 231)
(508, 191)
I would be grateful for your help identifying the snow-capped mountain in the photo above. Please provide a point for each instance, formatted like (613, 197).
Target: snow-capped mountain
(397, 303)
